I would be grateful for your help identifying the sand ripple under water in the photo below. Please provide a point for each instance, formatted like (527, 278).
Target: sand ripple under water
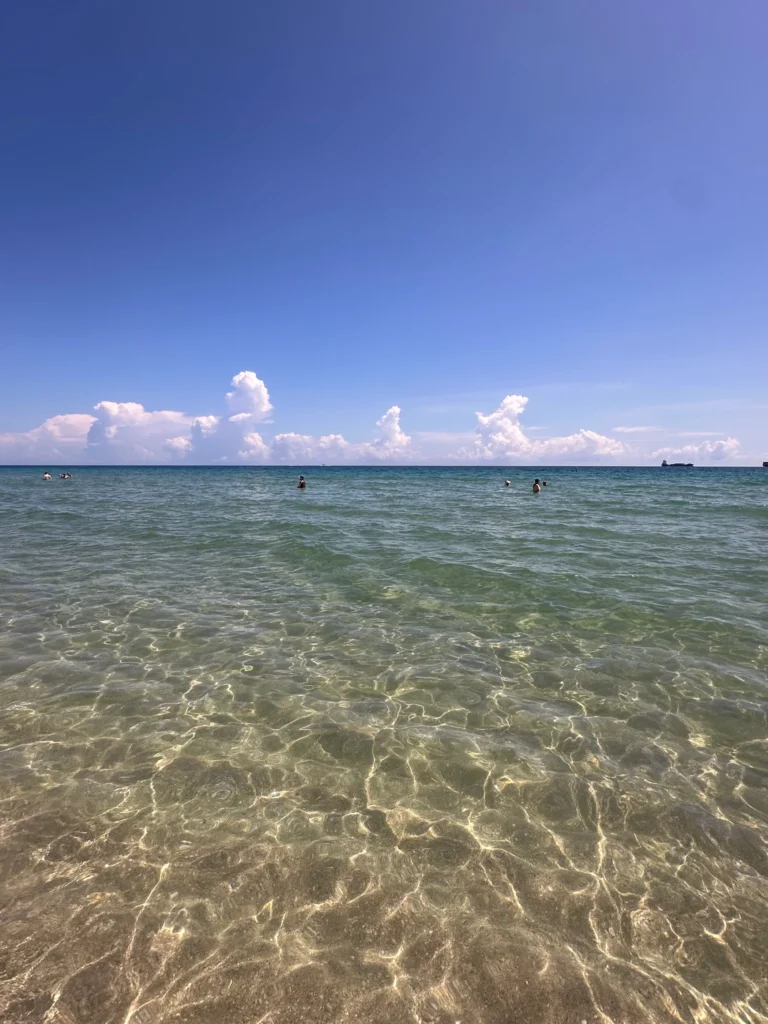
(406, 748)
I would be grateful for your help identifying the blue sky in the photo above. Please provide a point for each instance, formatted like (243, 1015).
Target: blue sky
(414, 204)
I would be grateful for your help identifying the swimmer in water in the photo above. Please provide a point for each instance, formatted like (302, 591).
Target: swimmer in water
(536, 486)
(507, 483)
(543, 483)
(47, 475)
(302, 483)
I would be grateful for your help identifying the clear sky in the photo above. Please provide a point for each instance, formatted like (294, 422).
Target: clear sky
(421, 205)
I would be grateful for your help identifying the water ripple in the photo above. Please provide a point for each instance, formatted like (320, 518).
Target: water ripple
(408, 747)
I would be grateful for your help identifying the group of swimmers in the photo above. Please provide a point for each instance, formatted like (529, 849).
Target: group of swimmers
(537, 485)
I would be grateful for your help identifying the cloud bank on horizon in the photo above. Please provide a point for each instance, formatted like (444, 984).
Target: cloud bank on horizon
(126, 432)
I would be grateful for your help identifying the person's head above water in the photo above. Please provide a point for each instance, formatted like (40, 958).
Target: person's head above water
(507, 483)
(537, 481)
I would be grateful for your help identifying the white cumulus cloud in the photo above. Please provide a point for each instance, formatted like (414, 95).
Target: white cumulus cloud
(499, 437)
(392, 439)
(205, 424)
(178, 445)
(391, 443)
(249, 397)
(60, 437)
(126, 432)
(709, 451)
(254, 449)
(294, 448)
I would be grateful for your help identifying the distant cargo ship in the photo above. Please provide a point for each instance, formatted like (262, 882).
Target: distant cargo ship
(765, 465)
(686, 465)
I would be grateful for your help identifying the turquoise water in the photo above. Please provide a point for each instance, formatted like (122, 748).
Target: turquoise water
(405, 747)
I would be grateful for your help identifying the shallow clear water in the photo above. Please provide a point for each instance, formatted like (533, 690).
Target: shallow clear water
(405, 747)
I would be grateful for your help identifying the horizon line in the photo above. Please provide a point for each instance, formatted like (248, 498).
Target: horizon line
(362, 465)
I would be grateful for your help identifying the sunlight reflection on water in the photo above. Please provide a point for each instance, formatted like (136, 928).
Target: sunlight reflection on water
(406, 747)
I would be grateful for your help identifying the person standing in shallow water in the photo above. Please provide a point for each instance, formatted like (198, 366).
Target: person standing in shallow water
(302, 483)
(536, 486)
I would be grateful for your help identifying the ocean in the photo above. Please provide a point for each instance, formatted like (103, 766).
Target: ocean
(407, 747)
